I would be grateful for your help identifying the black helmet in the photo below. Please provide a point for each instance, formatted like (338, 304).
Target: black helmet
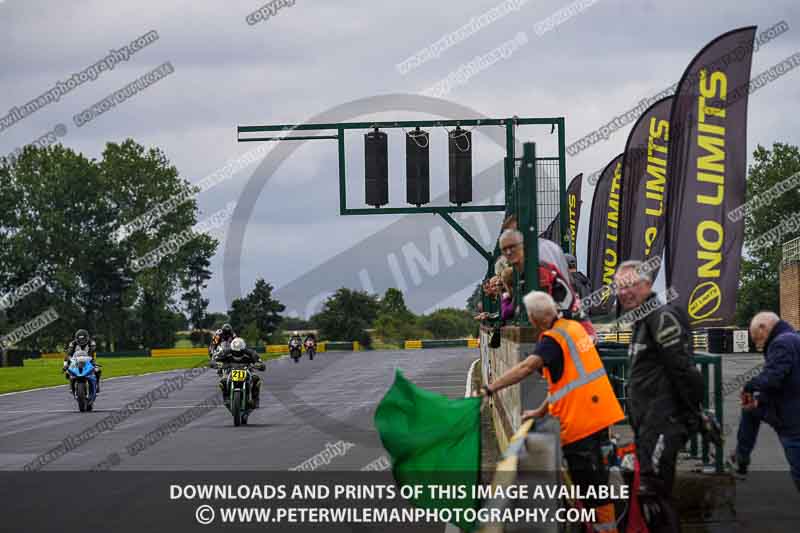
(227, 329)
(82, 337)
(572, 262)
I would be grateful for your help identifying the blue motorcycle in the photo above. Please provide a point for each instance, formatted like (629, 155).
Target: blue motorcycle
(83, 381)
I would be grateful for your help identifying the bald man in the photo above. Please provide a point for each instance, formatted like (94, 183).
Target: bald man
(773, 395)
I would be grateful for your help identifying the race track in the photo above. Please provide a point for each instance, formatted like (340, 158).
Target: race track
(304, 407)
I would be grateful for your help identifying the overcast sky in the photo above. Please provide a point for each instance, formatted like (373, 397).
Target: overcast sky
(313, 56)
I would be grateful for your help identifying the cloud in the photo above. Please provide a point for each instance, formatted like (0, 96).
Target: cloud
(317, 55)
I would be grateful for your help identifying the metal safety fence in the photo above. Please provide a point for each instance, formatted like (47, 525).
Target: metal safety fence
(617, 364)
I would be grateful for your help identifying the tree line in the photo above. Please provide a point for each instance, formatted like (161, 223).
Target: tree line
(347, 315)
(61, 218)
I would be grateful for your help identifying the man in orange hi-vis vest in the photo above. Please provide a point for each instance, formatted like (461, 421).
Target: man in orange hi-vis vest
(579, 394)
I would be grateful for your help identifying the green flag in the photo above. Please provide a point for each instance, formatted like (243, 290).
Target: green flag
(432, 441)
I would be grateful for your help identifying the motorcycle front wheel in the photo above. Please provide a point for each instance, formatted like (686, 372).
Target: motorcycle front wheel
(80, 393)
(236, 407)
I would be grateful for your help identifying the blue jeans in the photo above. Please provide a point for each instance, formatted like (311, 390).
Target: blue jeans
(748, 433)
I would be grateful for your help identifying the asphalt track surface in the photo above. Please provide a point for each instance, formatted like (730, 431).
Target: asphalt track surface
(305, 407)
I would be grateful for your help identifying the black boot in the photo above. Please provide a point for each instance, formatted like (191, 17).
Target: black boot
(740, 462)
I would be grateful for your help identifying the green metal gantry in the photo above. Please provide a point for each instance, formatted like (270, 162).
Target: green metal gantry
(520, 180)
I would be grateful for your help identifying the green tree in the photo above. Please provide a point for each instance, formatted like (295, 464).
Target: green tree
(258, 309)
(450, 323)
(216, 320)
(474, 299)
(759, 282)
(66, 234)
(266, 308)
(193, 283)
(293, 323)
(346, 316)
(394, 303)
(251, 334)
(395, 323)
(136, 180)
(54, 223)
(200, 337)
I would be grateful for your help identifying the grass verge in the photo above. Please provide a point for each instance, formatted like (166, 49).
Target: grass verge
(47, 372)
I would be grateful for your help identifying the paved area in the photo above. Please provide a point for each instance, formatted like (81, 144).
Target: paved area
(308, 408)
(304, 406)
(766, 500)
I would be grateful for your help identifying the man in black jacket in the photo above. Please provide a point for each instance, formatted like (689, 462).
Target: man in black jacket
(664, 391)
(774, 394)
(240, 354)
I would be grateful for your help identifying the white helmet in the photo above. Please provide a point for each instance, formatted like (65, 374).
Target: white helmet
(238, 344)
(294, 334)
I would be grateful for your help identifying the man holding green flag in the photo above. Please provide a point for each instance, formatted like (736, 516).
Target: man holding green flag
(432, 440)
(579, 394)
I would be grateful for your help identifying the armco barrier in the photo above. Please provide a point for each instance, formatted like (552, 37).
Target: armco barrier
(444, 343)
(277, 348)
(103, 355)
(283, 348)
(13, 358)
(700, 338)
(125, 353)
(178, 352)
(614, 336)
(325, 346)
(337, 345)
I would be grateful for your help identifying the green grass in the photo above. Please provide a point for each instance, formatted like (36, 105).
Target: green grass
(47, 372)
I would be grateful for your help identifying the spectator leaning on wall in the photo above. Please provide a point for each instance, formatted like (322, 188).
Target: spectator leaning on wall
(507, 301)
(579, 395)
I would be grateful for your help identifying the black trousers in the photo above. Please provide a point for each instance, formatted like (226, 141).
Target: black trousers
(586, 462)
(657, 448)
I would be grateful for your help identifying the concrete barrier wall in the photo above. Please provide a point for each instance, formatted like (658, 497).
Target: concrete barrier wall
(508, 404)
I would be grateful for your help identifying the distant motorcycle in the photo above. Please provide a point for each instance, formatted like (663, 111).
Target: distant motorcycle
(83, 381)
(295, 349)
(221, 347)
(239, 384)
(311, 348)
(219, 350)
